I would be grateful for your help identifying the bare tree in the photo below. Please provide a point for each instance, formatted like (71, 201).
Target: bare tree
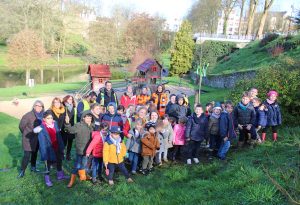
(227, 6)
(242, 4)
(268, 4)
(252, 8)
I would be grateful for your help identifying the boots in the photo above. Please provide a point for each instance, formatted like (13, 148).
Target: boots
(274, 137)
(48, 181)
(240, 144)
(34, 169)
(82, 175)
(61, 175)
(72, 180)
(263, 137)
(21, 174)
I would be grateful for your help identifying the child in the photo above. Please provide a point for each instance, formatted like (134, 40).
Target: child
(165, 135)
(261, 118)
(253, 92)
(114, 151)
(227, 130)
(51, 146)
(134, 145)
(244, 116)
(96, 147)
(82, 131)
(273, 114)
(121, 112)
(213, 129)
(179, 136)
(150, 143)
(196, 131)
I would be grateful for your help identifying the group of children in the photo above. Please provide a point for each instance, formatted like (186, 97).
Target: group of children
(143, 136)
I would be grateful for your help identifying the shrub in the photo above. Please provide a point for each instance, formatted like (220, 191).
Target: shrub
(268, 38)
(281, 77)
(115, 75)
(276, 51)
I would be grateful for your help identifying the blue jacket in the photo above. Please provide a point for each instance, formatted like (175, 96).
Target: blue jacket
(273, 114)
(261, 117)
(196, 128)
(227, 127)
(46, 150)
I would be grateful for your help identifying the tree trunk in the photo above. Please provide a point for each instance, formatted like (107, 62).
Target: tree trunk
(241, 16)
(268, 4)
(27, 75)
(42, 75)
(225, 25)
(252, 9)
(58, 70)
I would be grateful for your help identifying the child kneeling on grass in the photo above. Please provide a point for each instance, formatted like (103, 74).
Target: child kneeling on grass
(96, 148)
(227, 130)
(82, 131)
(114, 151)
(51, 146)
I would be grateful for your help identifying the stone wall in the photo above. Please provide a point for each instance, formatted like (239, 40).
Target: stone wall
(226, 80)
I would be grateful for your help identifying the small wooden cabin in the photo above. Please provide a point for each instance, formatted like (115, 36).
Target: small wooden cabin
(149, 71)
(98, 75)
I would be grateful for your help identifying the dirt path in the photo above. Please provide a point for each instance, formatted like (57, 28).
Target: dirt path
(25, 105)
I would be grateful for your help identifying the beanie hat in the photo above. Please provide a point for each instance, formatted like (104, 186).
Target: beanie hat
(217, 106)
(149, 125)
(271, 92)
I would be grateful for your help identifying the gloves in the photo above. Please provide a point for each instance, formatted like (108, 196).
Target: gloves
(37, 129)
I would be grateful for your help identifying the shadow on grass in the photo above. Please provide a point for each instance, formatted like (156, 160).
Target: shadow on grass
(13, 143)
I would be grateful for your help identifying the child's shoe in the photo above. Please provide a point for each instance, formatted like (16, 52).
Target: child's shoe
(48, 181)
(189, 161)
(196, 160)
(111, 182)
(133, 172)
(129, 180)
(72, 180)
(94, 180)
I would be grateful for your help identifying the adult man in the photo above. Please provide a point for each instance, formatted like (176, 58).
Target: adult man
(107, 95)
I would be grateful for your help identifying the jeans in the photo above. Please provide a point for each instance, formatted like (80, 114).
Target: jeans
(162, 152)
(193, 148)
(224, 149)
(134, 159)
(97, 163)
(112, 168)
(147, 162)
(58, 163)
(29, 155)
(80, 163)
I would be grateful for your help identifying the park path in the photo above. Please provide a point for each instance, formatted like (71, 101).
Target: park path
(25, 105)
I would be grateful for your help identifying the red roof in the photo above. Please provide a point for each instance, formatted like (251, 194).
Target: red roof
(99, 70)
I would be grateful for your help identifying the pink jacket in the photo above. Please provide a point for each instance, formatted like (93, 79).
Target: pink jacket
(126, 100)
(96, 145)
(179, 134)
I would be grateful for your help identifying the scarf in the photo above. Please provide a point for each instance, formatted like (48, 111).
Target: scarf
(52, 134)
(270, 101)
(39, 116)
(58, 111)
(69, 107)
(117, 143)
(243, 107)
(215, 115)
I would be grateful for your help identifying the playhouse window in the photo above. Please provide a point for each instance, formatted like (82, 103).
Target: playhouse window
(154, 69)
(100, 80)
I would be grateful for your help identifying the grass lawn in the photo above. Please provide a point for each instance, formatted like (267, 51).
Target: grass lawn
(240, 180)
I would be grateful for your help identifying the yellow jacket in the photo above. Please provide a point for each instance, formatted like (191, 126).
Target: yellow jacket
(110, 153)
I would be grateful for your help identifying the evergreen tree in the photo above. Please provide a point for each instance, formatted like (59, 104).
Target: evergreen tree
(182, 50)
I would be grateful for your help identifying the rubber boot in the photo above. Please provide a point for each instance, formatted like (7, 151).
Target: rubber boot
(263, 136)
(274, 137)
(82, 175)
(61, 175)
(72, 180)
(48, 181)
(21, 174)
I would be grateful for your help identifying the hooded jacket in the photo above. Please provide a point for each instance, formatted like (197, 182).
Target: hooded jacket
(96, 145)
(273, 114)
(113, 120)
(196, 127)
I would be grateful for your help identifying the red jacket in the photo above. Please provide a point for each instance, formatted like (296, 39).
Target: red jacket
(126, 100)
(96, 145)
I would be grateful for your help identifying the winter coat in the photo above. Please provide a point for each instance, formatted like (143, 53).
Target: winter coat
(126, 100)
(244, 116)
(166, 137)
(110, 152)
(134, 143)
(273, 114)
(171, 109)
(29, 138)
(213, 125)
(113, 120)
(82, 106)
(142, 99)
(150, 144)
(226, 126)
(161, 101)
(96, 145)
(261, 117)
(82, 135)
(59, 120)
(46, 149)
(179, 134)
(71, 115)
(196, 127)
(103, 98)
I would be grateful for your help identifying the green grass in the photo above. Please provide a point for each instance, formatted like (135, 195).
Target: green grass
(252, 57)
(240, 180)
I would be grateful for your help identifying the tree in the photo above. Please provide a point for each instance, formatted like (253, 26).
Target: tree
(268, 4)
(204, 15)
(182, 51)
(26, 51)
(252, 9)
(227, 6)
(241, 4)
(296, 20)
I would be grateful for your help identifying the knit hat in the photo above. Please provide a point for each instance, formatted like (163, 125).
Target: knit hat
(217, 106)
(149, 125)
(271, 92)
(115, 129)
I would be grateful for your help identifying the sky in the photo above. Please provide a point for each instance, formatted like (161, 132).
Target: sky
(175, 10)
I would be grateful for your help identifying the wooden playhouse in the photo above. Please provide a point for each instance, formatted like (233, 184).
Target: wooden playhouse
(98, 75)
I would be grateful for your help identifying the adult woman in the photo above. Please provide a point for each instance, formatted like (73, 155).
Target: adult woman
(128, 98)
(160, 100)
(69, 103)
(58, 112)
(28, 122)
